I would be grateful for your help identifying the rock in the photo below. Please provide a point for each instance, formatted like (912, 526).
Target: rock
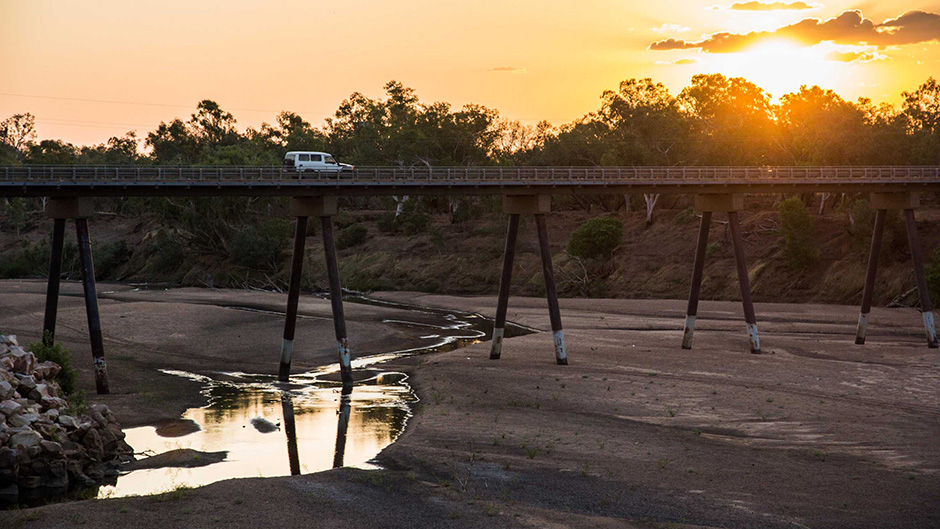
(49, 369)
(7, 457)
(10, 407)
(33, 451)
(23, 361)
(26, 384)
(68, 421)
(92, 441)
(30, 482)
(25, 439)
(51, 447)
(9, 493)
(53, 403)
(22, 419)
(98, 418)
(52, 413)
(6, 390)
(6, 362)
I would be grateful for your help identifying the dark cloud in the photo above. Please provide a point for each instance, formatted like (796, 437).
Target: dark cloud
(769, 6)
(849, 28)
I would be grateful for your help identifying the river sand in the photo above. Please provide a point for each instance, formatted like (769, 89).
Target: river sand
(635, 432)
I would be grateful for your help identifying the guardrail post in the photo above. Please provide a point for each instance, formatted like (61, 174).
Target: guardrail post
(499, 326)
(293, 297)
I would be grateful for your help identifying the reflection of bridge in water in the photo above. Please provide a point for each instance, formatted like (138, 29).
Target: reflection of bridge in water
(525, 191)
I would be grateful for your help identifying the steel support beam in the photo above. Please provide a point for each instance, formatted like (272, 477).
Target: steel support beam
(925, 307)
(867, 293)
(91, 305)
(52, 286)
(741, 266)
(336, 300)
(554, 313)
(293, 296)
(499, 326)
(697, 269)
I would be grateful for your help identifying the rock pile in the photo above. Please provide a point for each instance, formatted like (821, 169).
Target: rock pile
(42, 442)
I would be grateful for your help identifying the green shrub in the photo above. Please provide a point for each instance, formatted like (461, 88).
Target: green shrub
(684, 217)
(262, 246)
(933, 277)
(31, 261)
(797, 226)
(413, 218)
(68, 376)
(353, 235)
(596, 238)
(165, 252)
(109, 257)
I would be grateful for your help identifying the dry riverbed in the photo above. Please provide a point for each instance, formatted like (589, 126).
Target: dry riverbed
(635, 432)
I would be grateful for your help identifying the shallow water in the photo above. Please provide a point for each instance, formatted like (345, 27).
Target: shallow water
(272, 429)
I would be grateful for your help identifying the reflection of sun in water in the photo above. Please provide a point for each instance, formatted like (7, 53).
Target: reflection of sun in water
(778, 66)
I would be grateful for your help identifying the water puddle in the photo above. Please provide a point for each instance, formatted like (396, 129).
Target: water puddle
(264, 429)
(254, 426)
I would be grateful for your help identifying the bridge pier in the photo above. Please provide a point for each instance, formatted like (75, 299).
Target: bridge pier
(730, 204)
(907, 202)
(80, 209)
(302, 208)
(538, 206)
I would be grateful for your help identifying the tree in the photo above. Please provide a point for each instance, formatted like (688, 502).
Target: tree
(921, 110)
(817, 127)
(732, 120)
(17, 133)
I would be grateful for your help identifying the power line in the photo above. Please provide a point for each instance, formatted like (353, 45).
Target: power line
(165, 105)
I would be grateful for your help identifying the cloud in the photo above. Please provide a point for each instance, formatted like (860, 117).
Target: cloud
(849, 28)
(854, 56)
(508, 69)
(768, 6)
(677, 62)
(669, 27)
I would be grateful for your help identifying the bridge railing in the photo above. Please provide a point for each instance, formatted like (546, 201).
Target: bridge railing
(167, 174)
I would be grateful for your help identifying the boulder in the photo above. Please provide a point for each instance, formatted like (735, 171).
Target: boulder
(23, 361)
(6, 390)
(10, 407)
(49, 369)
(68, 421)
(22, 419)
(51, 447)
(26, 439)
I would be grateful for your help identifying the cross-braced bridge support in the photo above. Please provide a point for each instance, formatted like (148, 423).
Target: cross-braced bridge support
(302, 208)
(881, 203)
(538, 206)
(80, 209)
(730, 204)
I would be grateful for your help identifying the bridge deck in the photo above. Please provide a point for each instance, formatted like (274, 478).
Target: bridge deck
(26, 180)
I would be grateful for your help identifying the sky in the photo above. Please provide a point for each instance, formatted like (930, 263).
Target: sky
(92, 70)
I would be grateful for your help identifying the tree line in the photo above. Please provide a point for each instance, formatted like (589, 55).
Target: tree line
(716, 120)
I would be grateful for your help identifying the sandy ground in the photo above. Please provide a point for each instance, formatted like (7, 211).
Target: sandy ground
(635, 432)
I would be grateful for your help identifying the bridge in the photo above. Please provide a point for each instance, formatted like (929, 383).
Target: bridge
(73, 180)
(525, 191)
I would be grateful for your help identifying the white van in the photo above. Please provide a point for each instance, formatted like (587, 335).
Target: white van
(314, 161)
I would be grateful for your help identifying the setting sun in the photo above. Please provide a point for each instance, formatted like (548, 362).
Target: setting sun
(778, 66)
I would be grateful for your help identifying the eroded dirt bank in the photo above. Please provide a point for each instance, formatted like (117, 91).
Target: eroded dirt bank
(635, 432)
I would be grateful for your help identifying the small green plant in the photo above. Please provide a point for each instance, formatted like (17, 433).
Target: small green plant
(797, 226)
(713, 249)
(354, 235)
(68, 376)
(686, 216)
(596, 238)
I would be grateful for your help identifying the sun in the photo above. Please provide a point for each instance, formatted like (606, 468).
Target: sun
(778, 66)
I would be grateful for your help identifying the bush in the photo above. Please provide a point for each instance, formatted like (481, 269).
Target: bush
(933, 277)
(596, 238)
(68, 376)
(109, 257)
(797, 226)
(255, 247)
(164, 252)
(686, 216)
(351, 236)
(32, 261)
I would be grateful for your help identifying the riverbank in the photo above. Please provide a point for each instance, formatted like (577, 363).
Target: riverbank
(636, 432)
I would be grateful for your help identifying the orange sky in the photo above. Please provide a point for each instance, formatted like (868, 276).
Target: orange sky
(531, 60)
